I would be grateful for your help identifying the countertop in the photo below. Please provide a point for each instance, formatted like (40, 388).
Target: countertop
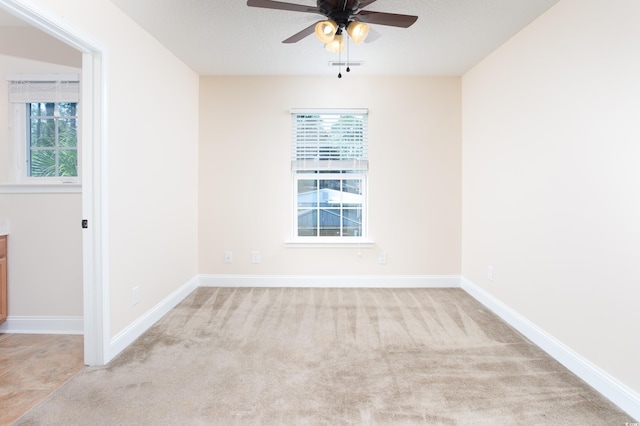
(4, 227)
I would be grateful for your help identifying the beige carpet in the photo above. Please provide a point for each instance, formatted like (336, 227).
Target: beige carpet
(328, 356)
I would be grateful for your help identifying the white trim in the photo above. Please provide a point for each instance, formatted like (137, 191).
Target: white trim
(44, 188)
(332, 281)
(95, 198)
(43, 325)
(127, 336)
(330, 242)
(50, 23)
(611, 388)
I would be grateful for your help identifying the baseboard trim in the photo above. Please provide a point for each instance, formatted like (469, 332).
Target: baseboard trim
(43, 325)
(611, 388)
(332, 281)
(127, 336)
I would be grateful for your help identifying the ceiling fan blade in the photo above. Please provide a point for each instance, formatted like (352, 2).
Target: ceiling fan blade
(381, 18)
(300, 35)
(270, 4)
(364, 3)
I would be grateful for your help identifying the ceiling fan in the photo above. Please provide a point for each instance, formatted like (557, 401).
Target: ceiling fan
(341, 15)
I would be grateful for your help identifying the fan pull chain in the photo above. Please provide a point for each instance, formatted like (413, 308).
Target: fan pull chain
(348, 69)
(339, 64)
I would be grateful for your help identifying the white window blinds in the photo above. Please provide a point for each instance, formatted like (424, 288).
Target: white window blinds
(25, 92)
(329, 140)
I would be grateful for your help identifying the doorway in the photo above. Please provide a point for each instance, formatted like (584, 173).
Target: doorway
(94, 170)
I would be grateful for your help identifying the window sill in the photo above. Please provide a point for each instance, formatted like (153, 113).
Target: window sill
(41, 188)
(320, 243)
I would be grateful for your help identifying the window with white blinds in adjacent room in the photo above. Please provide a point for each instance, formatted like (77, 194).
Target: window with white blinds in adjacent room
(329, 163)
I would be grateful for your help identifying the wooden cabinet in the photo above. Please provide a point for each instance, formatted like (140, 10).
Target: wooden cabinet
(3, 278)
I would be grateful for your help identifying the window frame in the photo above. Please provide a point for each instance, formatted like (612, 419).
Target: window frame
(360, 176)
(20, 120)
(332, 170)
(58, 148)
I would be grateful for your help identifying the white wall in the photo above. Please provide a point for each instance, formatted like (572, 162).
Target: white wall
(152, 146)
(45, 244)
(551, 147)
(246, 190)
(31, 43)
(45, 254)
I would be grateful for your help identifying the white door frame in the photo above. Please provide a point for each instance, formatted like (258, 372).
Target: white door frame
(94, 172)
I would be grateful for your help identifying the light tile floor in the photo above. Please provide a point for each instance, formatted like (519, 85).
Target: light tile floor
(32, 366)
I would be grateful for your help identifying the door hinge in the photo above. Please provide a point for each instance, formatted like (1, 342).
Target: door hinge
(85, 223)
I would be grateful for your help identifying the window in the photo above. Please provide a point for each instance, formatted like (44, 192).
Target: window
(52, 139)
(46, 129)
(329, 164)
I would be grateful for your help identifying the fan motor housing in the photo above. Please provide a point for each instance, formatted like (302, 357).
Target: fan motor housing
(340, 15)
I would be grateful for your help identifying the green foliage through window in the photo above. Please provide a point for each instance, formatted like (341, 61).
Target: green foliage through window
(53, 139)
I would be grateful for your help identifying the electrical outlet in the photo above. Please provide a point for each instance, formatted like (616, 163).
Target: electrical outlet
(490, 273)
(382, 258)
(228, 257)
(135, 295)
(255, 257)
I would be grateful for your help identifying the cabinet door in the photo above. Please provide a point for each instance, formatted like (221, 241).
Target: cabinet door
(3, 289)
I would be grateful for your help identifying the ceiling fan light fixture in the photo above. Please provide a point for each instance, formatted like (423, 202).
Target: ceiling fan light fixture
(336, 45)
(358, 31)
(326, 30)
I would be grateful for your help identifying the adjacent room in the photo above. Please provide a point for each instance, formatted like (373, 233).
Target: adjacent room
(464, 179)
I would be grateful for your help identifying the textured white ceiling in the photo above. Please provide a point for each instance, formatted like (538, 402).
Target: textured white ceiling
(226, 37)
